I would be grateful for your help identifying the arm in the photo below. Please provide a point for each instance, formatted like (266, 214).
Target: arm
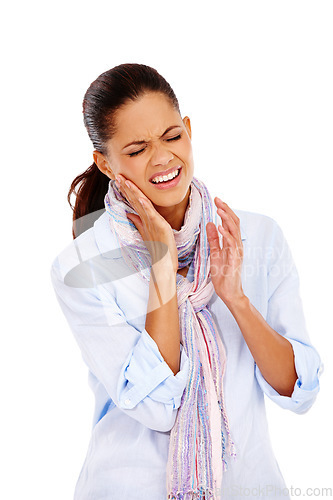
(272, 353)
(141, 375)
(162, 320)
(280, 345)
(125, 360)
(285, 314)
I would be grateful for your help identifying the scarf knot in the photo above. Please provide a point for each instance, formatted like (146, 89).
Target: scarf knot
(199, 298)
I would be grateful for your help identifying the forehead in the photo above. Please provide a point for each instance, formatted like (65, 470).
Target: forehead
(149, 115)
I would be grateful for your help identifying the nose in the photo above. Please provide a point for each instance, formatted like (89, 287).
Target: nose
(161, 155)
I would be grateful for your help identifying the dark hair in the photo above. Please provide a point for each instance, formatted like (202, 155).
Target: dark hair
(107, 94)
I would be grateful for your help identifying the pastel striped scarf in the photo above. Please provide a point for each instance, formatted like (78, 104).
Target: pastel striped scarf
(198, 445)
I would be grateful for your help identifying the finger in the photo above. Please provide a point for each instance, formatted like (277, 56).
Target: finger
(139, 197)
(229, 241)
(137, 222)
(229, 222)
(145, 209)
(213, 237)
(222, 204)
(142, 225)
(128, 188)
(235, 248)
(234, 230)
(133, 194)
(223, 208)
(122, 188)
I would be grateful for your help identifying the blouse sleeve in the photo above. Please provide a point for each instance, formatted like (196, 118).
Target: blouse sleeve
(285, 315)
(126, 361)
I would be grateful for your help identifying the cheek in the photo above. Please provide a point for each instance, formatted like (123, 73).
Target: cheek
(187, 150)
(131, 167)
(183, 149)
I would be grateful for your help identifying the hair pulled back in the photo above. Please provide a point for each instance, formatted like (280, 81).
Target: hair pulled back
(105, 96)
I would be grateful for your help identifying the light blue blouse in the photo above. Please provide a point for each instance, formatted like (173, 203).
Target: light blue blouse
(136, 393)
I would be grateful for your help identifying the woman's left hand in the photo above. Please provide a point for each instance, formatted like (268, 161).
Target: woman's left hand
(226, 262)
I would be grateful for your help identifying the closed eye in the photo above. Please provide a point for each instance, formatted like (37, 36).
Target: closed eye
(174, 138)
(171, 139)
(136, 152)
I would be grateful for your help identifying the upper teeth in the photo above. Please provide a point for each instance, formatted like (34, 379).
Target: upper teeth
(163, 178)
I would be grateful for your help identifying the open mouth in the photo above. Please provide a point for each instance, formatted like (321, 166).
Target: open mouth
(159, 182)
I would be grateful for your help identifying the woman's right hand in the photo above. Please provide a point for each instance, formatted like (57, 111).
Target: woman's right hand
(153, 228)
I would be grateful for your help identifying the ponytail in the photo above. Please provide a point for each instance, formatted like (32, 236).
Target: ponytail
(93, 186)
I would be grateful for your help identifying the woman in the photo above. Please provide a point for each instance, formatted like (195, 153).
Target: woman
(186, 311)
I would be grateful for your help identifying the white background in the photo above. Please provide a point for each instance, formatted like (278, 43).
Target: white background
(256, 79)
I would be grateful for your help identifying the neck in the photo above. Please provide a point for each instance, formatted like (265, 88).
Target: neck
(175, 215)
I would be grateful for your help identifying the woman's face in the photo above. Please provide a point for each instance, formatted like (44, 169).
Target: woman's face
(165, 145)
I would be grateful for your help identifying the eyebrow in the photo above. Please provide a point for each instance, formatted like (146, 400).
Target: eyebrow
(143, 142)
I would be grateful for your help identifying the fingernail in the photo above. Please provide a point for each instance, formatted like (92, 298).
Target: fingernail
(128, 184)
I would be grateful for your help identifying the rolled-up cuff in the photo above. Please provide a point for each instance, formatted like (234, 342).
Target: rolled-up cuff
(309, 368)
(147, 374)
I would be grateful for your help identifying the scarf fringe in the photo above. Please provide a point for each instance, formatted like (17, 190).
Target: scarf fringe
(198, 494)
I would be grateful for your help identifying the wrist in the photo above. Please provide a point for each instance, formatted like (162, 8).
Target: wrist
(162, 285)
(163, 270)
(164, 266)
(237, 305)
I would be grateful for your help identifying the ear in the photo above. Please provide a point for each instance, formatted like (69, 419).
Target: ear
(187, 123)
(103, 164)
